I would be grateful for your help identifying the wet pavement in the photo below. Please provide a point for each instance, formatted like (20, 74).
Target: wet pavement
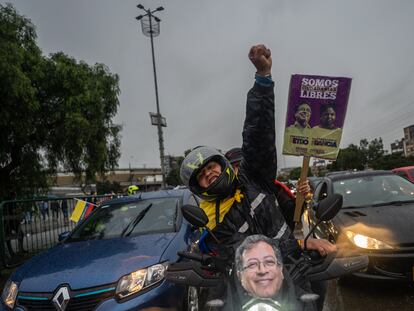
(356, 294)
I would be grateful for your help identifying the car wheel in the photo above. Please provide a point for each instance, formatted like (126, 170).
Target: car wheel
(192, 299)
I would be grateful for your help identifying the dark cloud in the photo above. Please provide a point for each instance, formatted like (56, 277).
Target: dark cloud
(203, 70)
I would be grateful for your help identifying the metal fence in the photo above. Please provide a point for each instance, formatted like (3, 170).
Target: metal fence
(30, 226)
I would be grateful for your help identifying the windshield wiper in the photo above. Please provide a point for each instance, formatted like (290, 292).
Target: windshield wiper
(393, 203)
(135, 221)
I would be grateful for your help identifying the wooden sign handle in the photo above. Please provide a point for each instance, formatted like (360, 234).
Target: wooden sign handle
(299, 198)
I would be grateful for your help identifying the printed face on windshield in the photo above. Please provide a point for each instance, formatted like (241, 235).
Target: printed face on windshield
(208, 174)
(262, 275)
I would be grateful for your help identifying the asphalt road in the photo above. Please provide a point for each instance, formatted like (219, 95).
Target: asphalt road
(356, 295)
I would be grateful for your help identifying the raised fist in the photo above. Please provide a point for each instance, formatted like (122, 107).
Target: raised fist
(261, 58)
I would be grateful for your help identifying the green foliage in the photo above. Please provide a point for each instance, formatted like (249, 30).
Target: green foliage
(55, 112)
(369, 154)
(173, 178)
(295, 173)
(282, 178)
(349, 158)
(391, 161)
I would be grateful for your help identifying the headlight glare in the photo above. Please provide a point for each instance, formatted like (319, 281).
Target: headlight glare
(10, 293)
(140, 279)
(366, 242)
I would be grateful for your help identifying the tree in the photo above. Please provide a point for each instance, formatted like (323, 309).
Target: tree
(56, 112)
(373, 152)
(391, 161)
(173, 178)
(368, 154)
(105, 187)
(349, 158)
(295, 173)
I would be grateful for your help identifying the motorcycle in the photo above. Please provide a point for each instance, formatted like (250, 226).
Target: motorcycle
(202, 272)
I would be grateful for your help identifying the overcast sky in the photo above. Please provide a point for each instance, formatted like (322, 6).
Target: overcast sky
(204, 73)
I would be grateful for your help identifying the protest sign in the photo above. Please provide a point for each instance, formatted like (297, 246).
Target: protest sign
(315, 115)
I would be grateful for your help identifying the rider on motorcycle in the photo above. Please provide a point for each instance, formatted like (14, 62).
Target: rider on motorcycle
(286, 202)
(242, 205)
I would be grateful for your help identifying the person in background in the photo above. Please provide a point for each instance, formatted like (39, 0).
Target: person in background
(133, 189)
(44, 209)
(65, 211)
(54, 206)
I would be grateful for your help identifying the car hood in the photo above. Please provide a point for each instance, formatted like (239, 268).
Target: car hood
(91, 263)
(391, 224)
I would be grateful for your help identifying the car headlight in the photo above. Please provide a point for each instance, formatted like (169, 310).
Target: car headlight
(10, 293)
(140, 279)
(366, 242)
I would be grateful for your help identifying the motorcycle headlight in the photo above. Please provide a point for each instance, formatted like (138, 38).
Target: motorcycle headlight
(10, 293)
(366, 242)
(140, 279)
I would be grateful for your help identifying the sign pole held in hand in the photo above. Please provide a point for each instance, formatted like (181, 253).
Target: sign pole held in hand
(314, 122)
(299, 197)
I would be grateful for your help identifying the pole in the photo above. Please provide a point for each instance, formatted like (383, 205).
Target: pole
(297, 232)
(159, 126)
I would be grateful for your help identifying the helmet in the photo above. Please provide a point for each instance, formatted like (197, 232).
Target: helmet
(132, 189)
(196, 160)
(234, 155)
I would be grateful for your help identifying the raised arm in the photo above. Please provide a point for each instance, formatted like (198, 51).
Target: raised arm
(259, 150)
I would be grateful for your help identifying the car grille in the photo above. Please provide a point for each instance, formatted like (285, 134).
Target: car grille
(80, 300)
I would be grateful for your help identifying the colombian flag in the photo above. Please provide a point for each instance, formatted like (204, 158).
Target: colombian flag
(82, 210)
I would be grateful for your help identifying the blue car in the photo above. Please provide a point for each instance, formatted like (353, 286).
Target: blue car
(114, 260)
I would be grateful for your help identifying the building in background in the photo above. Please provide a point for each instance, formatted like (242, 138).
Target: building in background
(147, 179)
(397, 146)
(409, 141)
(319, 167)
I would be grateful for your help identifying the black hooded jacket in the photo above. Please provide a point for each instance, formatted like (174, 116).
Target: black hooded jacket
(258, 211)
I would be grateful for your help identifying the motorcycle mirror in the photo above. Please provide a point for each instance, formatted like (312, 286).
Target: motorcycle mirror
(326, 210)
(329, 207)
(194, 215)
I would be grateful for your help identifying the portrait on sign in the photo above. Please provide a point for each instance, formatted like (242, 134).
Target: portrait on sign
(315, 115)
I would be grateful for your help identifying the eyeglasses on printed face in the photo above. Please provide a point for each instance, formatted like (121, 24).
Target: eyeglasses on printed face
(254, 264)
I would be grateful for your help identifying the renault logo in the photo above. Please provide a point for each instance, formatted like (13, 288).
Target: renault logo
(61, 299)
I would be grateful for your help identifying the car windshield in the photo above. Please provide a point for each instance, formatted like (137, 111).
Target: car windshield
(373, 190)
(129, 219)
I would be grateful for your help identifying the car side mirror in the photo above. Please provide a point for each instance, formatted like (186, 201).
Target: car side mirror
(329, 207)
(63, 236)
(194, 215)
(197, 218)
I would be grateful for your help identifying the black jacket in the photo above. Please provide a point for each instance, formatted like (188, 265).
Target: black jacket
(258, 212)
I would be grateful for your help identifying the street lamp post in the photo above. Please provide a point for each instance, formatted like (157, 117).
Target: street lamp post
(150, 25)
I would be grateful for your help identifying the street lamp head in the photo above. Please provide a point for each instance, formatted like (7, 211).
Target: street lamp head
(139, 17)
(160, 8)
(156, 19)
(140, 6)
